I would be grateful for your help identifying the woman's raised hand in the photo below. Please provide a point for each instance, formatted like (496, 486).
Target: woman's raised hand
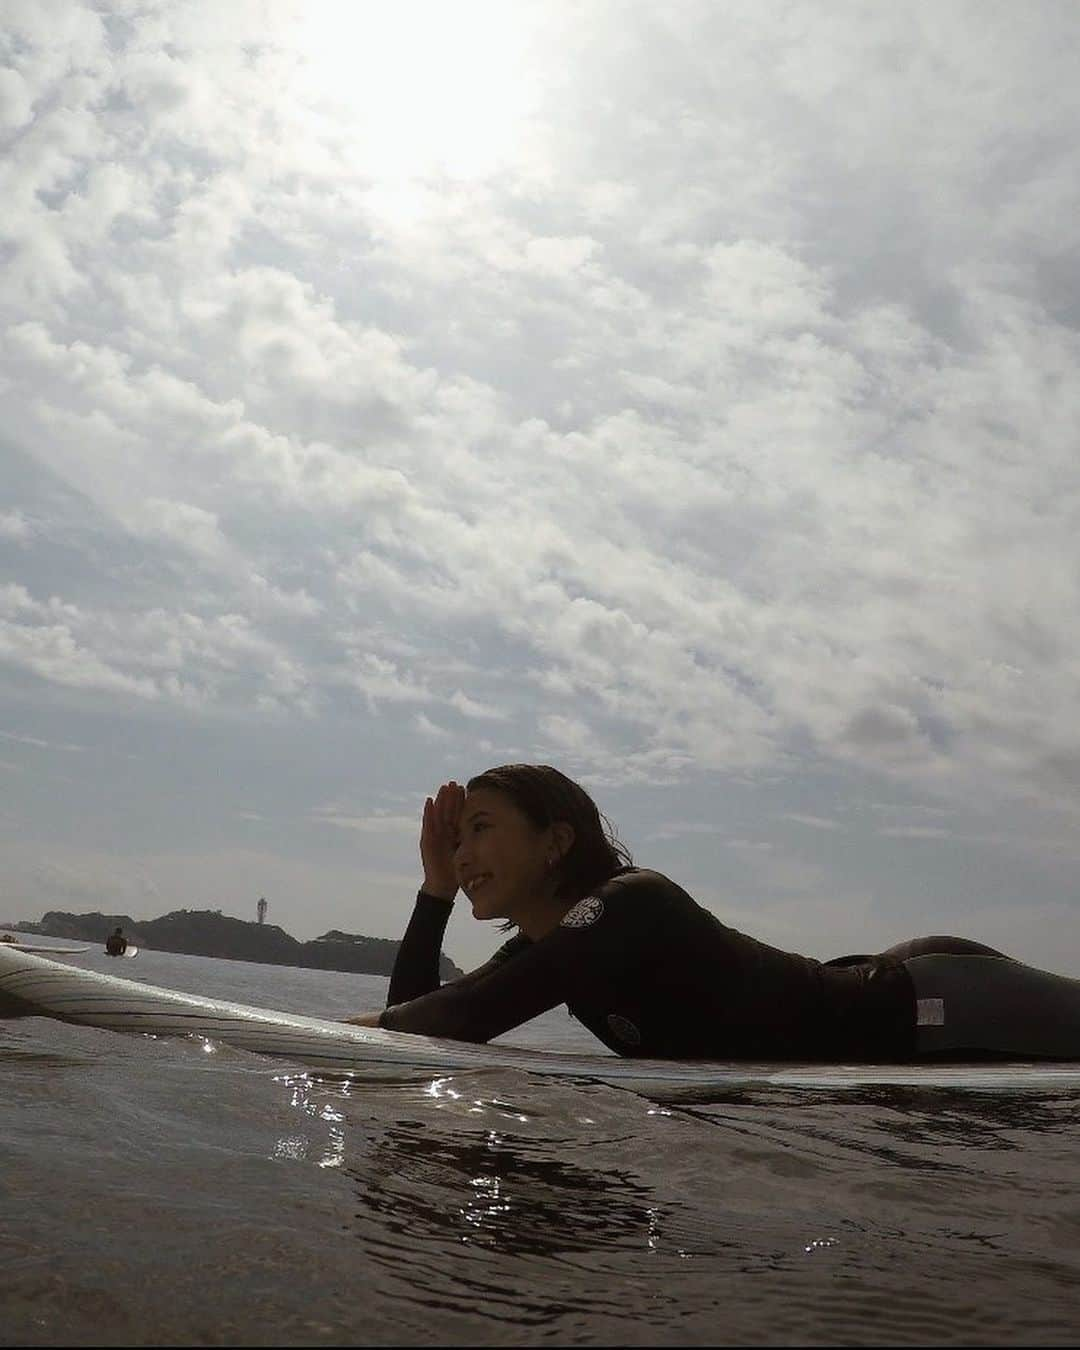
(438, 840)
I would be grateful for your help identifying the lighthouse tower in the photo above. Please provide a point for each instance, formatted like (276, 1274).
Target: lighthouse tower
(262, 909)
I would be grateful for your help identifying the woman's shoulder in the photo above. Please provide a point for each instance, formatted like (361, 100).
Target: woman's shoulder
(643, 884)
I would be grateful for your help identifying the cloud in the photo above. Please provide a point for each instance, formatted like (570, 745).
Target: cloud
(915, 832)
(424, 726)
(380, 823)
(16, 104)
(14, 525)
(39, 744)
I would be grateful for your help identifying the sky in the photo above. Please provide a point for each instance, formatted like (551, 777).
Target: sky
(686, 396)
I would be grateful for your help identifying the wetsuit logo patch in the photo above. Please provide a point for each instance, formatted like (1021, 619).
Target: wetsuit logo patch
(623, 1029)
(585, 912)
(930, 1012)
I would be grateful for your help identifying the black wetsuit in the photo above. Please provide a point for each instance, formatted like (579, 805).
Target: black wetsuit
(652, 973)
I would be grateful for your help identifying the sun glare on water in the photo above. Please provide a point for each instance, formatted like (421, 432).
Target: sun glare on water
(420, 86)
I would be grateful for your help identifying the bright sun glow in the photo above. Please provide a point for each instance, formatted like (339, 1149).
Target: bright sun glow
(422, 85)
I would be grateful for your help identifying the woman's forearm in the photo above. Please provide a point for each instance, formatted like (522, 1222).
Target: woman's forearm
(416, 968)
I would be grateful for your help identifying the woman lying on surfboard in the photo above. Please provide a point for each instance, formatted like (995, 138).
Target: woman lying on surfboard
(652, 973)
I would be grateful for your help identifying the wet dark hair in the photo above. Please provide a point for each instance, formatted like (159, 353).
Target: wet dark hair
(546, 797)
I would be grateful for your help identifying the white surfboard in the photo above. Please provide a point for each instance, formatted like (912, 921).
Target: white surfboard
(89, 998)
(129, 951)
(52, 951)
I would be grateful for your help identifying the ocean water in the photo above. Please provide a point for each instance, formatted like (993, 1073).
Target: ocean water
(171, 1192)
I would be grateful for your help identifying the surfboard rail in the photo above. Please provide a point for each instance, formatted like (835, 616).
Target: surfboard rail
(91, 998)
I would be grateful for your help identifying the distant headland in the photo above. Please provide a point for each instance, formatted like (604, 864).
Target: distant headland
(208, 932)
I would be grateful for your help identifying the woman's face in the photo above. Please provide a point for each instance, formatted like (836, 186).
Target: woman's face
(501, 858)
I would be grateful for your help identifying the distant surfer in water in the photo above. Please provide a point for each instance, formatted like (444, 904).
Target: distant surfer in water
(116, 942)
(652, 973)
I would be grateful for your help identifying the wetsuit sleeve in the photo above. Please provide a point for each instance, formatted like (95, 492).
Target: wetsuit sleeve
(416, 966)
(603, 939)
